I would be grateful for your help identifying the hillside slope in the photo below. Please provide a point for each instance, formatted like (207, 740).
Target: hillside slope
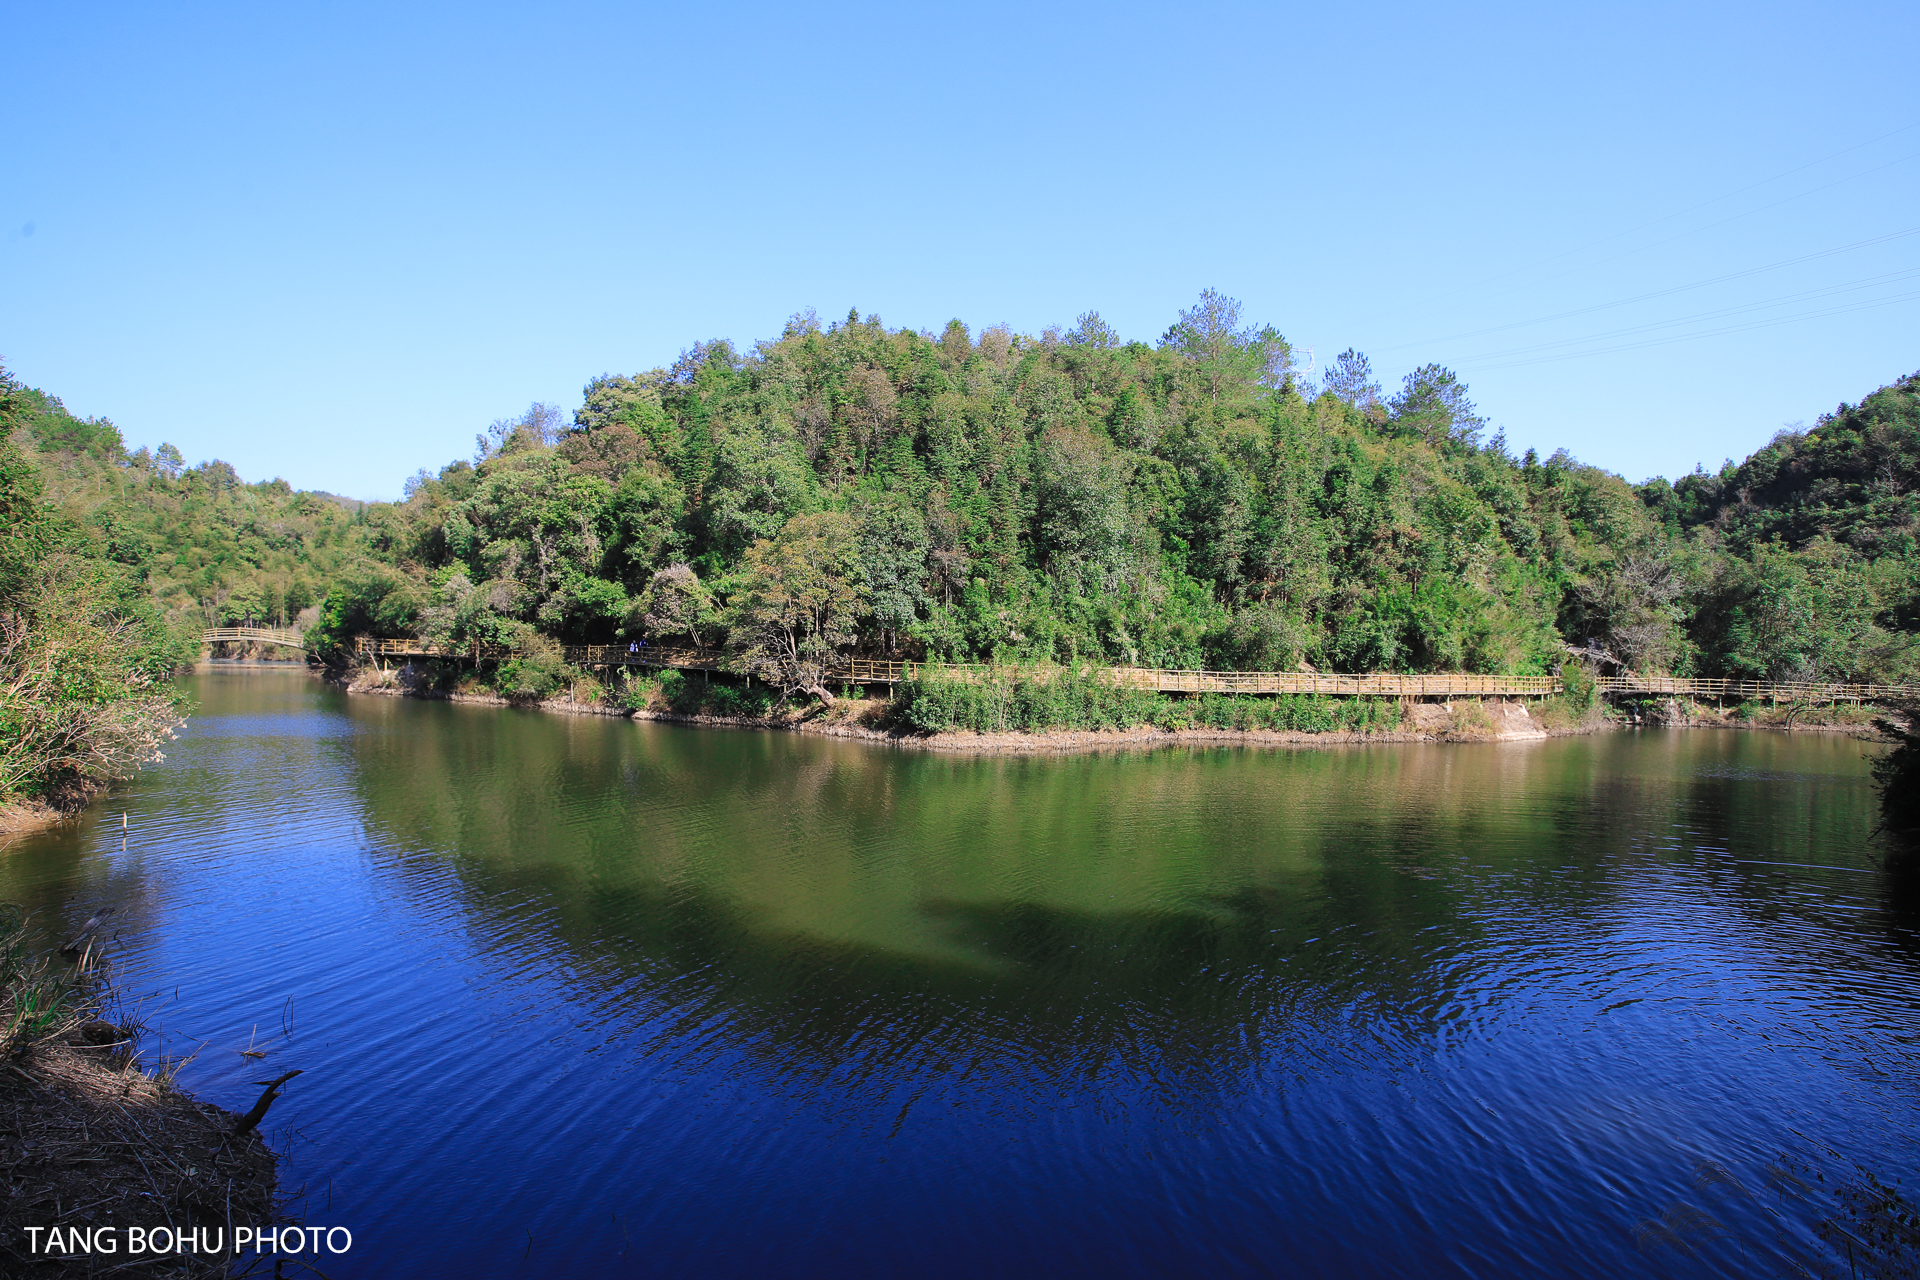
(1061, 496)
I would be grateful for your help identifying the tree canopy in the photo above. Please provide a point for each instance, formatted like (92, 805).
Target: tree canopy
(1062, 496)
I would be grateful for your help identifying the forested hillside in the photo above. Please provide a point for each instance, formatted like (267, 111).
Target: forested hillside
(1191, 501)
(206, 547)
(84, 655)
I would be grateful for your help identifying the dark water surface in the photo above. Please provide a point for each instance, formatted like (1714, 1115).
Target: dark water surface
(585, 997)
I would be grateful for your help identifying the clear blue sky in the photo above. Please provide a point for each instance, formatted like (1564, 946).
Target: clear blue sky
(331, 242)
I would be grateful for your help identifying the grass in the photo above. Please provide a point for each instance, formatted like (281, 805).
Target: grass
(37, 1000)
(90, 1139)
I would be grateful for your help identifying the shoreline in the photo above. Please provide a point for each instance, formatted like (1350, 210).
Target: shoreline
(1518, 726)
(1431, 723)
(102, 1145)
(90, 1128)
(26, 817)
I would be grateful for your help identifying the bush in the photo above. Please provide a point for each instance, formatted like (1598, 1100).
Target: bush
(1578, 689)
(83, 659)
(711, 696)
(996, 703)
(539, 672)
(377, 601)
(639, 692)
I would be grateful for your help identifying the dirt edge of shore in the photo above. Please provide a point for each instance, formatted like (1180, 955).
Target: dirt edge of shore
(1498, 722)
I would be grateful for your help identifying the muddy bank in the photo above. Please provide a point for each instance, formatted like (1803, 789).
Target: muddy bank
(94, 1146)
(24, 817)
(27, 816)
(1684, 713)
(1458, 720)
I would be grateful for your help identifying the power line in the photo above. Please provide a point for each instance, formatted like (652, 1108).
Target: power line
(1666, 217)
(1799, 195)
(1715, 314)
(1709, 333)
(1657, 293)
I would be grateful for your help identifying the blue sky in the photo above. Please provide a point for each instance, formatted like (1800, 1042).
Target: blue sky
(331, 242)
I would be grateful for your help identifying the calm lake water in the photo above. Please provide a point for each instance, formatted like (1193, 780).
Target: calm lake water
(586, 997)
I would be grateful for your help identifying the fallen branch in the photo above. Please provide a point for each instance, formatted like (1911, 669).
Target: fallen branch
(259, 1112)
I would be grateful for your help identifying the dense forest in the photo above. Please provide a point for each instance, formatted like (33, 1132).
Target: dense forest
(1066, 496)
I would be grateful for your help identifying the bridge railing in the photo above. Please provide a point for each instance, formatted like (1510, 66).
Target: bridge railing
(1784, 690)
(616, 655)
(253, 635)
(859, 670)
(368, 647)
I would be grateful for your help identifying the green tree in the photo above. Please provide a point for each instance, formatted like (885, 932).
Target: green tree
(893, 547)
(1433, 405)
(675, 606)
(1229, 359)
(83, 656)
(376, 601)
(798, 599)
(1350, 378)
(1799, 616)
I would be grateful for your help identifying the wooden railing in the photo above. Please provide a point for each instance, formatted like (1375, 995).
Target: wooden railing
(858, 670)
(252, 635)
(370, 648)
(1780, 690)
(617, 655)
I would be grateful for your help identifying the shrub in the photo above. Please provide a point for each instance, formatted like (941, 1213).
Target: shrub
(539, 672)
(1077, 699)
(640, 692)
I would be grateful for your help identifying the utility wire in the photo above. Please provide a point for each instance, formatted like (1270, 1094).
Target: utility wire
(1667, 217)
(1715, 314)
(1708, 333)
(1828, 186)
(1657, 293)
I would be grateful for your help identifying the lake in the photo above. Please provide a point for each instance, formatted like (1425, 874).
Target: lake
(580, 996)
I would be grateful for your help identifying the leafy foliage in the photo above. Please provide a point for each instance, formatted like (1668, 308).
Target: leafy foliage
(83, 654)
(204, 547)
(798, 598)
(1056, 498)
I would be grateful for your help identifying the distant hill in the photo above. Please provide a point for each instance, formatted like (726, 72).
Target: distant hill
(1061, 496)
(1854, 478)
(204, 545)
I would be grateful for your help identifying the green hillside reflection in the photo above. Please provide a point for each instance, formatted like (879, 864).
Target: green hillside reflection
(1197, 908)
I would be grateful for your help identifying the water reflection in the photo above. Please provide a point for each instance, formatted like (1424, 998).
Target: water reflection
(628, 996)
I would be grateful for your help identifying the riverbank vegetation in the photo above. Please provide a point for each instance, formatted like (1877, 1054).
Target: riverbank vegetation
(84, 652)
(1066, 498)
(94, 1143)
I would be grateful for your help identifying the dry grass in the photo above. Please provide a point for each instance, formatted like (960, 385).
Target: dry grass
(1471, 719)
(90, 1139)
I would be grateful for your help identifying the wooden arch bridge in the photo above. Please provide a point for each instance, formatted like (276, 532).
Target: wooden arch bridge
(870, 671)
(255, 635)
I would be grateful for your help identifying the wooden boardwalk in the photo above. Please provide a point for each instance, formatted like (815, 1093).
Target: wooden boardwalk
(857, 670)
